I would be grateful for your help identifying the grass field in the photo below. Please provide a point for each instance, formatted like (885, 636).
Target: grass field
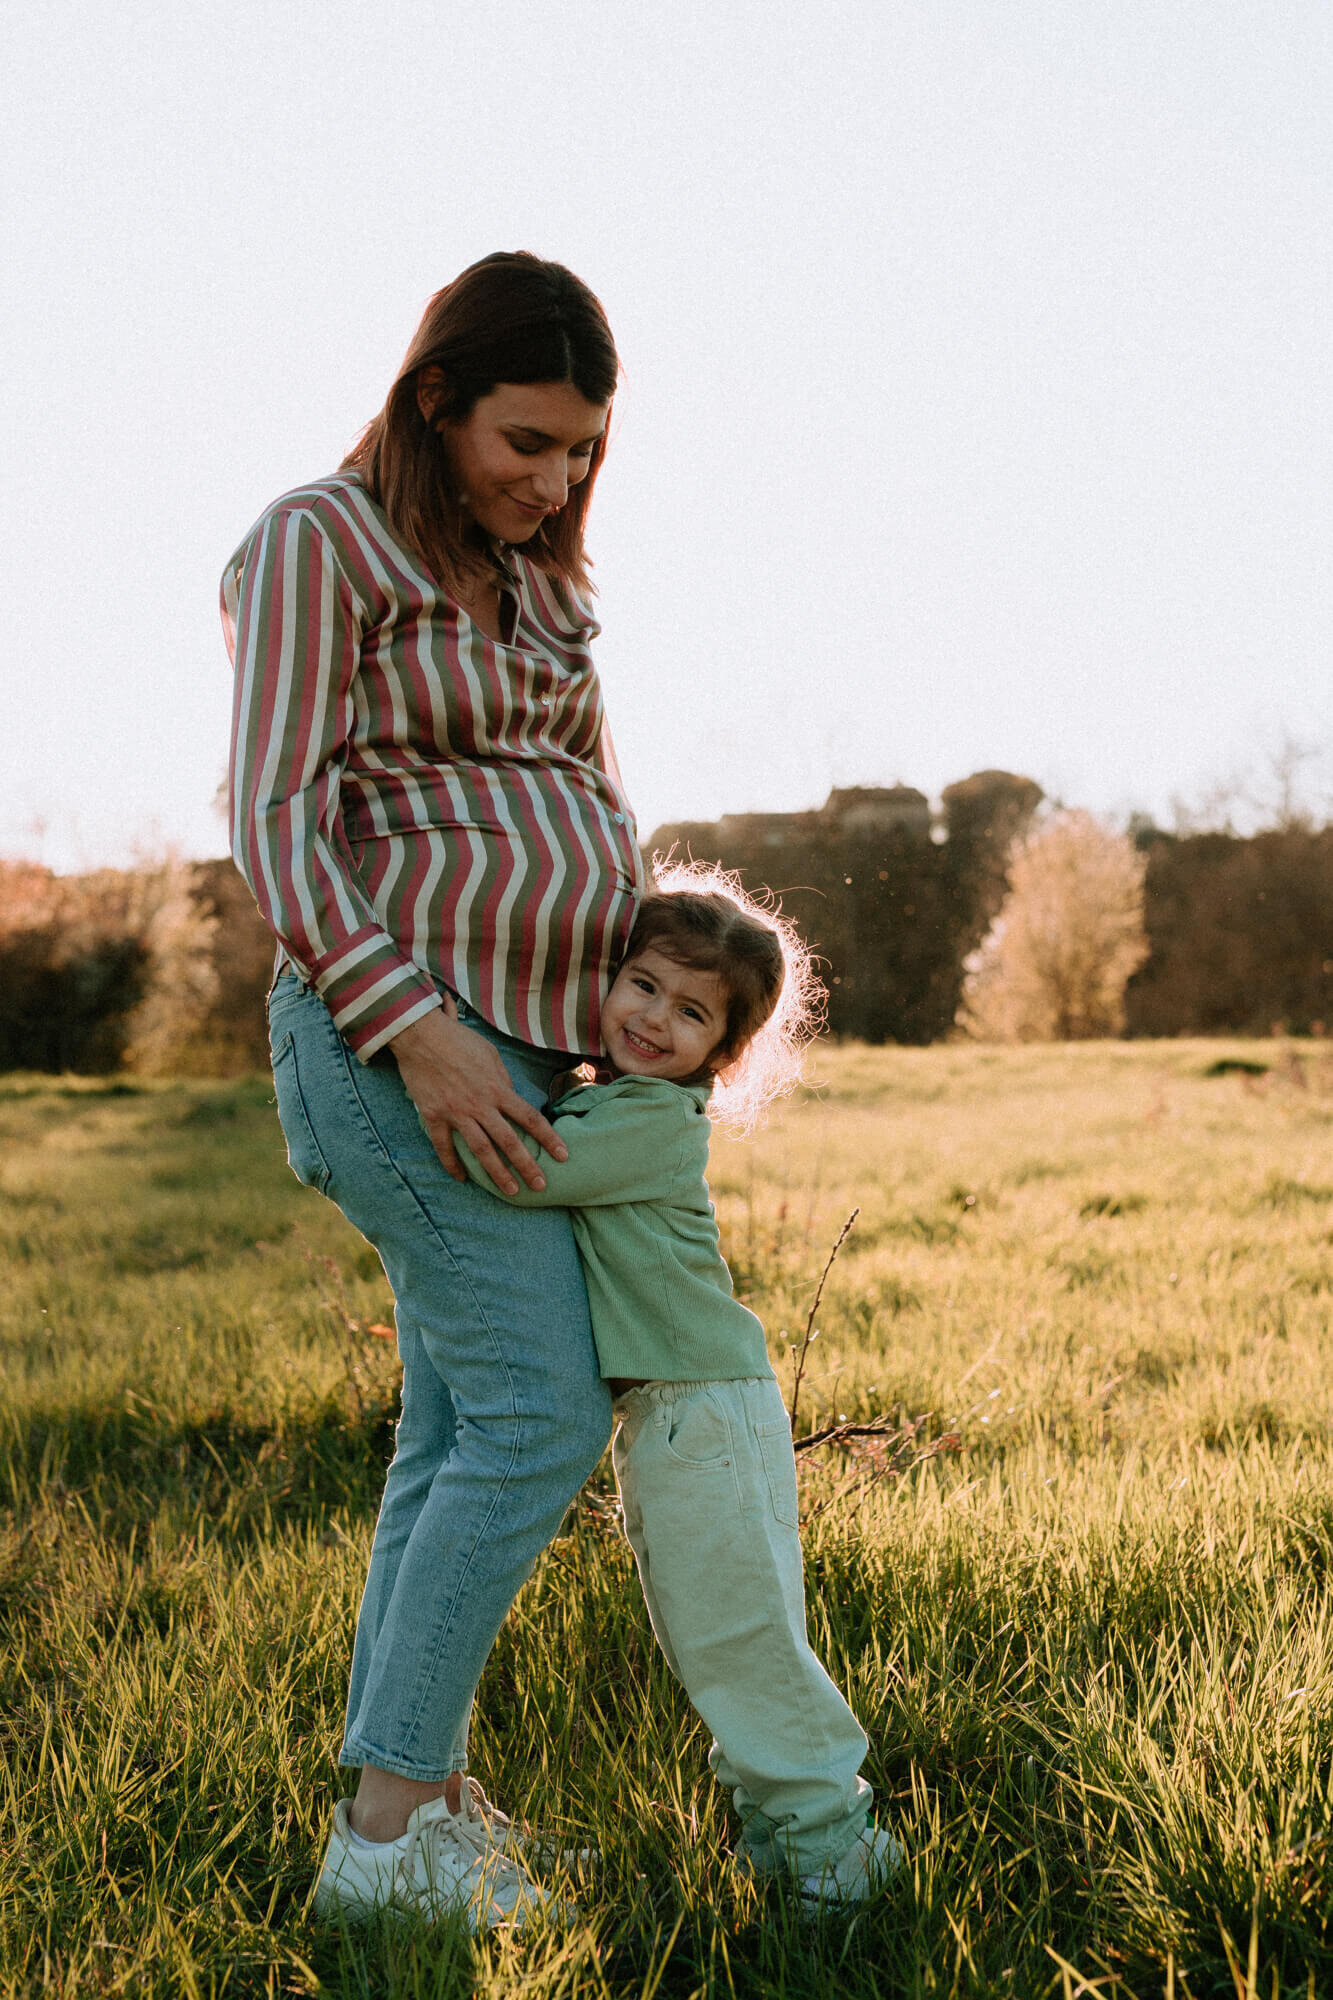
(1084, 1610)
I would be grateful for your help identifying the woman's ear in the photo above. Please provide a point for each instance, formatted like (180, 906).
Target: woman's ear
(431, 388)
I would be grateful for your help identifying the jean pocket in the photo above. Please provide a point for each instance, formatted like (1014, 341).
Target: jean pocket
(304, 1157)
(697, 1431)
(287, 990)
(780, 1470)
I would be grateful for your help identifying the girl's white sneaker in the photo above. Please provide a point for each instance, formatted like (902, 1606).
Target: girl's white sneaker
(859, 1873)
(446, 1862)
(856, 1875)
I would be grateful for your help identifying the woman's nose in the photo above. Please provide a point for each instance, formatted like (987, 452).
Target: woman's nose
(552, 482)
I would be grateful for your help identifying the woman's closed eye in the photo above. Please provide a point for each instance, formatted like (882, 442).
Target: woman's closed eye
(526, 448)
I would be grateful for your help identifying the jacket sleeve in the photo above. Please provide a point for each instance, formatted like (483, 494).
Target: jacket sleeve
(293, 623)
(634, 1150)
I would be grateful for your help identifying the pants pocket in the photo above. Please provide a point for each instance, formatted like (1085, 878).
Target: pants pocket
(780, 1470)
(697, 1432)
(304, 1157)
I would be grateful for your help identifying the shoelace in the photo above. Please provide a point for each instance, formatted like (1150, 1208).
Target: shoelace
(469, 1830)
(502, 1830)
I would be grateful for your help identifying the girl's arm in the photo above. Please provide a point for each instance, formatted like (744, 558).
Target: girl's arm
(634, 1149)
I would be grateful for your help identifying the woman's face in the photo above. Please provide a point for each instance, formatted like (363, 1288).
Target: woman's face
(519, 452)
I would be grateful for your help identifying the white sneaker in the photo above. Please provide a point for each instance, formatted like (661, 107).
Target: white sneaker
(858, 1874)
(854, 1877)
(444, 1862)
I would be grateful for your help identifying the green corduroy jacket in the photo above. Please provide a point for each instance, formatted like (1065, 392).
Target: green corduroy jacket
(659, 1290)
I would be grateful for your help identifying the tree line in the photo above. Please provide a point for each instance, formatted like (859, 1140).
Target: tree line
(1238, 930)
(917, 918)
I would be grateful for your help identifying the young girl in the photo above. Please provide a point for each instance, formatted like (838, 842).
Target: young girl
(710, 1010)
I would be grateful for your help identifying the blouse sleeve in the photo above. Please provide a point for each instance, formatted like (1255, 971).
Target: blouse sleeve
(293, 624)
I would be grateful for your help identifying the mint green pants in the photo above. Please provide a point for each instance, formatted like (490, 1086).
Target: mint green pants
(708, 1487)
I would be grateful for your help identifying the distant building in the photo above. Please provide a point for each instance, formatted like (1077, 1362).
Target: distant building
(870, 809)
(854, 811)
(763, 829)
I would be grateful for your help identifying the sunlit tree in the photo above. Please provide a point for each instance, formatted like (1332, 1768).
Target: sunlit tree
(1068, 938)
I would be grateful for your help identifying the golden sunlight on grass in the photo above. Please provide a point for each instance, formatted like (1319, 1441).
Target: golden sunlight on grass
(1091, 1637)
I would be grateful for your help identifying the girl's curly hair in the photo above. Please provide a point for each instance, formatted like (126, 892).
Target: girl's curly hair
(699, 915)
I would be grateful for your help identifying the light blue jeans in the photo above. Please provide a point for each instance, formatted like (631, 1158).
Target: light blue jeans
(707, 1481)
(504, 1413)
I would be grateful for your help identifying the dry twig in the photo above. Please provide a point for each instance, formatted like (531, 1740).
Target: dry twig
(811, 1331)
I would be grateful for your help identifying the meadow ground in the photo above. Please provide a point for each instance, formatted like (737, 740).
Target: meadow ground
(1083, 1608)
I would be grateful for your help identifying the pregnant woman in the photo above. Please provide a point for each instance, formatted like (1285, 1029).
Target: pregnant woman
(425, 802)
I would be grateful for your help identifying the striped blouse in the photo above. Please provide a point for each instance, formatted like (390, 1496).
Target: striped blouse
(412, 801)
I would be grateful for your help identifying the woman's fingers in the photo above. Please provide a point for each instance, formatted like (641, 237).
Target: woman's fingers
(500, 1133)
(496, 1164)
(459, 1084)
(530, 1118)
(477, 1136)
(442, 1138)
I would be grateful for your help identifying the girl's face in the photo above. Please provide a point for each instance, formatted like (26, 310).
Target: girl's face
(662, 1018)
(519, 452)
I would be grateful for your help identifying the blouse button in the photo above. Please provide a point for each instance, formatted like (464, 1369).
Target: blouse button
(620, 819)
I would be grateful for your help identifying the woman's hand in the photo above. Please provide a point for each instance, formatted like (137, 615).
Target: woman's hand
(459, 1084)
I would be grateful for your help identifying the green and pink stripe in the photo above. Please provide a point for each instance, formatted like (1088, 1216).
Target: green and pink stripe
(412, 802)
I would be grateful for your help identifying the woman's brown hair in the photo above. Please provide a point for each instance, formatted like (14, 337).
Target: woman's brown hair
(510, 318)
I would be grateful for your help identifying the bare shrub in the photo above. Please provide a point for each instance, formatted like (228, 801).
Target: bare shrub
(1069, 937)
(99, 970)
(71, 971)
(166, 1027)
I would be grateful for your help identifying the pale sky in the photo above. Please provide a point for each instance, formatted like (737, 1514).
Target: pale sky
(979, 397)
